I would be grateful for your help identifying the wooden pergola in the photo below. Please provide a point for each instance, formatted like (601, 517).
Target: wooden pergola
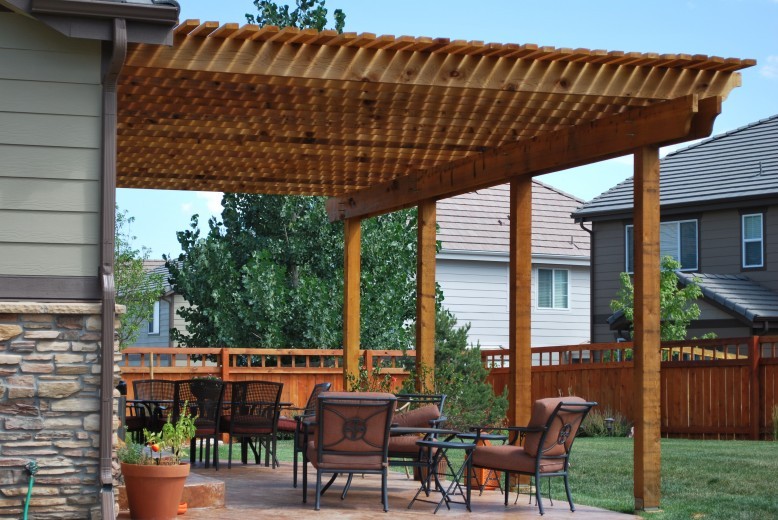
(380, 123)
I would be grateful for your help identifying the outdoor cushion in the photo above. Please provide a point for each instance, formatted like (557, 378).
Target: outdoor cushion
(541, 410)
(418, 418)
(286, 424)
(512, 458)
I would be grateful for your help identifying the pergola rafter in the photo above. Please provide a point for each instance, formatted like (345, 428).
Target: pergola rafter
(380, 123)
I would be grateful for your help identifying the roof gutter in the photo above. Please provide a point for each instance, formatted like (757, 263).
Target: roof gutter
(97, 9)
(114, 54)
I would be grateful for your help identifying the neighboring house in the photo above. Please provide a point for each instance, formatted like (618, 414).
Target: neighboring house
(472, 266)
(472, 270)
(156, 331)
(719, 211)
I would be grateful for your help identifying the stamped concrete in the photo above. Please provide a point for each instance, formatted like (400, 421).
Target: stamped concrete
(260, 492)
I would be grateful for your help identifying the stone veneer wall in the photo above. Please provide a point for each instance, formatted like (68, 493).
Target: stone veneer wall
(50, 408)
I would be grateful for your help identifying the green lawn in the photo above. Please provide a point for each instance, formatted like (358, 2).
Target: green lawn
(700, 479)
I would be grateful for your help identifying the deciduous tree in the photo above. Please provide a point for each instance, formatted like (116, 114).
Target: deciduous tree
(136, 289)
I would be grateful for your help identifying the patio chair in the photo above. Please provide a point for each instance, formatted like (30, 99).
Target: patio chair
(352, 436)
(414, 411)
(253, 418)
(294, 424)
(547, 442)
(153, 403)
(203, 397)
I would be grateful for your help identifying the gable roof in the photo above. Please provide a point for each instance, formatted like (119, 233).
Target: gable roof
(737, 294)
(479, 221)
(737, 166)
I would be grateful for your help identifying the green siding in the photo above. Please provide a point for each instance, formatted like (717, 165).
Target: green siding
(50, 139)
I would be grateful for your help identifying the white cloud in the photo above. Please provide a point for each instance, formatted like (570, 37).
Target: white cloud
(186, 208)
(213, 201)
(771, 69)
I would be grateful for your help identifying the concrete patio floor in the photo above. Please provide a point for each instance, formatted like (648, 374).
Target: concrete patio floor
(254, 491)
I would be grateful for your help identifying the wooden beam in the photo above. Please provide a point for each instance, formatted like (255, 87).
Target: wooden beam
(647, 338)
(352, 234)
(668, 122)
(425, 297)
(520, 302)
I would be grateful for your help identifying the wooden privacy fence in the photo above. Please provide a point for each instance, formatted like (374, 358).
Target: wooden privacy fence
(298, 369)
(719, 389)
(723, 388)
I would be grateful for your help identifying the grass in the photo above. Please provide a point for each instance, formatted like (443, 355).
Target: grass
(701, 480)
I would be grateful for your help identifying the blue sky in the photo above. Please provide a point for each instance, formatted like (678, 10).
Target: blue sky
(726, 28)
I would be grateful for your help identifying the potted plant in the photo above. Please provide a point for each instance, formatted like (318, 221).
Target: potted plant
(154, 475)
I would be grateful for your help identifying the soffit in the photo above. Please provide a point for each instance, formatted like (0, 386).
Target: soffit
(285, 111)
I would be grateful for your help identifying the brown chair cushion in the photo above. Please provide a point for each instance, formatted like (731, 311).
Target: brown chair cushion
(541, 410)
(511, 458)
(287, 424)
(403, 446)
(418, 418)
(346, 462)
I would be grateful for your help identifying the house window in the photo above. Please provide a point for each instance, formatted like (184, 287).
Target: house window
(553, 288)
(753, 240)
(154, 320)
(677, 239)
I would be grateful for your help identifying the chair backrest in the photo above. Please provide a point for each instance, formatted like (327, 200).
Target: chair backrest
(560, 418)
(255, 404)
(354, 425)
(310, 406)
(154, 389)
(203, 397)
(407, 402)
(419, 410)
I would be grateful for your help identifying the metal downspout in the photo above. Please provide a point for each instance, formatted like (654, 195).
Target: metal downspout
(114, 54)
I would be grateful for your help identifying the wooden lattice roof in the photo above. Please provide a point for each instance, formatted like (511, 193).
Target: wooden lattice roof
(288, 111)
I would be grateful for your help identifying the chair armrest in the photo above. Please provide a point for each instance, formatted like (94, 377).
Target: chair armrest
(436, 423)
(517, 433)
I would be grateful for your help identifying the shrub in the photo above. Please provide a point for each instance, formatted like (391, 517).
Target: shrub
(775, 422)
(595, 426)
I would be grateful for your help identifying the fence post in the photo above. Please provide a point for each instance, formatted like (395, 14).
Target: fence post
(754, 354)
(225, 362)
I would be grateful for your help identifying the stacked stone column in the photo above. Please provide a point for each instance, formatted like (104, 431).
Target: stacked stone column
(50, 408)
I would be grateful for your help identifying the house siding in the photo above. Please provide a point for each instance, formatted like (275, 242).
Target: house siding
(162, 339)
(719, 253)
(476, 292)
(50, 134)
(609, 252)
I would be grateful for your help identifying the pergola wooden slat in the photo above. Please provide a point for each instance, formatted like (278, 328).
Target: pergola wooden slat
(379, 123)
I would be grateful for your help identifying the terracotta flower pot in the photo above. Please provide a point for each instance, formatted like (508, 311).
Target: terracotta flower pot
(490, 479)
(154, 492)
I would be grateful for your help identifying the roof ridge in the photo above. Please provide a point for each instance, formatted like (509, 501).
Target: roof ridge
(561, 192)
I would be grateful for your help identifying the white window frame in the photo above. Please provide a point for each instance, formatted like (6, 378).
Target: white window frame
(553, 289)
(628, 252)
(745, 240)
(153, 328)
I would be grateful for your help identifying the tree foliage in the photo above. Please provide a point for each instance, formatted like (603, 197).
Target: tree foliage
(307, 14)
(135, 289)
(270, 274)
(676, 303)
(461, 375)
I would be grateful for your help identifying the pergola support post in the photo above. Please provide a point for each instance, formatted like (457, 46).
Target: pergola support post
(647, 337)
(352, 236)
(425, 297)
(519, 295)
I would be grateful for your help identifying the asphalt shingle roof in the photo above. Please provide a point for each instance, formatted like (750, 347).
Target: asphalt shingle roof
(479, 221)
(737, 165)
(737, 293)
